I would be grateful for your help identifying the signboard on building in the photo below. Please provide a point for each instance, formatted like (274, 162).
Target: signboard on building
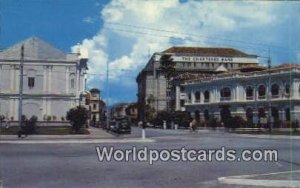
(207, 59)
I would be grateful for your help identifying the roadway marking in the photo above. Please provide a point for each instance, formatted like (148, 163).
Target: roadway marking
(245, 180)
(78, 141)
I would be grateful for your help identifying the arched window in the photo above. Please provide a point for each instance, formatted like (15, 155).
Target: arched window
(197, 97)
(206, 115)
(197, 115)
(189, 98)
(206, 96)
(225, 94)
(261, 112)
(261, 92)
(249, 115)
(287, 89)
(31, 74)
(249, 93)
(72, 81)
(275, 113)
(275, 91)
(287, 114)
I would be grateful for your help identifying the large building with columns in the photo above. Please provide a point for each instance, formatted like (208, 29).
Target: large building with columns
(52, 80)
(152, 83)
(248, 93)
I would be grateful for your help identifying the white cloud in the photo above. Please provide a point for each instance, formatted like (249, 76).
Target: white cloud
(194, 22)
(88, 19)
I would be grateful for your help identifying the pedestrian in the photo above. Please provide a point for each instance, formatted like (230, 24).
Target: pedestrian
(140, 123)
(194, 125)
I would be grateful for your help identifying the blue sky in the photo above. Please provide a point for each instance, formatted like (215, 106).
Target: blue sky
(124, 32)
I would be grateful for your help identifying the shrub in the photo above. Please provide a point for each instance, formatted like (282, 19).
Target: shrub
(29, 125)
(77, 117)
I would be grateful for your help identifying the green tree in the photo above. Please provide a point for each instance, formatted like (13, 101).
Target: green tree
(149, 113)
(167, 67)
(77, 117)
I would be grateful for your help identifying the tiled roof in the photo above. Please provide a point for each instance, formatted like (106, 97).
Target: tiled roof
(226, 52)
(34, 49)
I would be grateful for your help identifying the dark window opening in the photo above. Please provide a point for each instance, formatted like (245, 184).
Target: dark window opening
(225, 94)
(182, 103)
(206, 96)
(206, 115)
(261, 92)
(197, 97)
(275, 91)
(287, 89)
(30, 82)
(249, 93)
(287, 114)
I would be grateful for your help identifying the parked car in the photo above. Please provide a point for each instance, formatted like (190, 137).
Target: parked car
(112, 126)
(123, 126)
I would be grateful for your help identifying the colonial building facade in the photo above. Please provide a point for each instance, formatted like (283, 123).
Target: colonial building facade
(249, 94)
(152, 83)
(52, 80)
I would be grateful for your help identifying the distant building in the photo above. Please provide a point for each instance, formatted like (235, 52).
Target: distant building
(53, 80)
(97, 106)
(132, 112)
(119, 110)
(245, 93)
(152, 83)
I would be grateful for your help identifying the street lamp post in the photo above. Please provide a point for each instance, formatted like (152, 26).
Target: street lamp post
(107, 95)
(269, 91)
(270, 124)
(21, 88)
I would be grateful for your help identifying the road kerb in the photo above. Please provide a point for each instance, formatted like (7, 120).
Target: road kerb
(247, 181)
(78, 141)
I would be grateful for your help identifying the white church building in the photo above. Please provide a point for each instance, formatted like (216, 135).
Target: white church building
(52, 80)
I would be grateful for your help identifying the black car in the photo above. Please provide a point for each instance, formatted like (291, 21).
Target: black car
(112, 126)
(122, 126)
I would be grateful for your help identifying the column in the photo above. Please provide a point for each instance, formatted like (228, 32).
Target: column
(67, 79)
(177, 98)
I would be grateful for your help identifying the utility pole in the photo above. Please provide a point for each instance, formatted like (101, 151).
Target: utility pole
(21, 87)
(269, 95)
(107, 95)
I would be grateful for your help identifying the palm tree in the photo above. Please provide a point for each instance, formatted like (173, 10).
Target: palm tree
(167, 67)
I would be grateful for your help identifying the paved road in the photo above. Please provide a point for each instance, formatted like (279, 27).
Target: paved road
(77, 165)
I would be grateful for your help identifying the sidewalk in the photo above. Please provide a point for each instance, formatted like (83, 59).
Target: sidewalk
(96, 135)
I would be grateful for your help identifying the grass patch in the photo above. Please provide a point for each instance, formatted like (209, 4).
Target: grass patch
(44, 131)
